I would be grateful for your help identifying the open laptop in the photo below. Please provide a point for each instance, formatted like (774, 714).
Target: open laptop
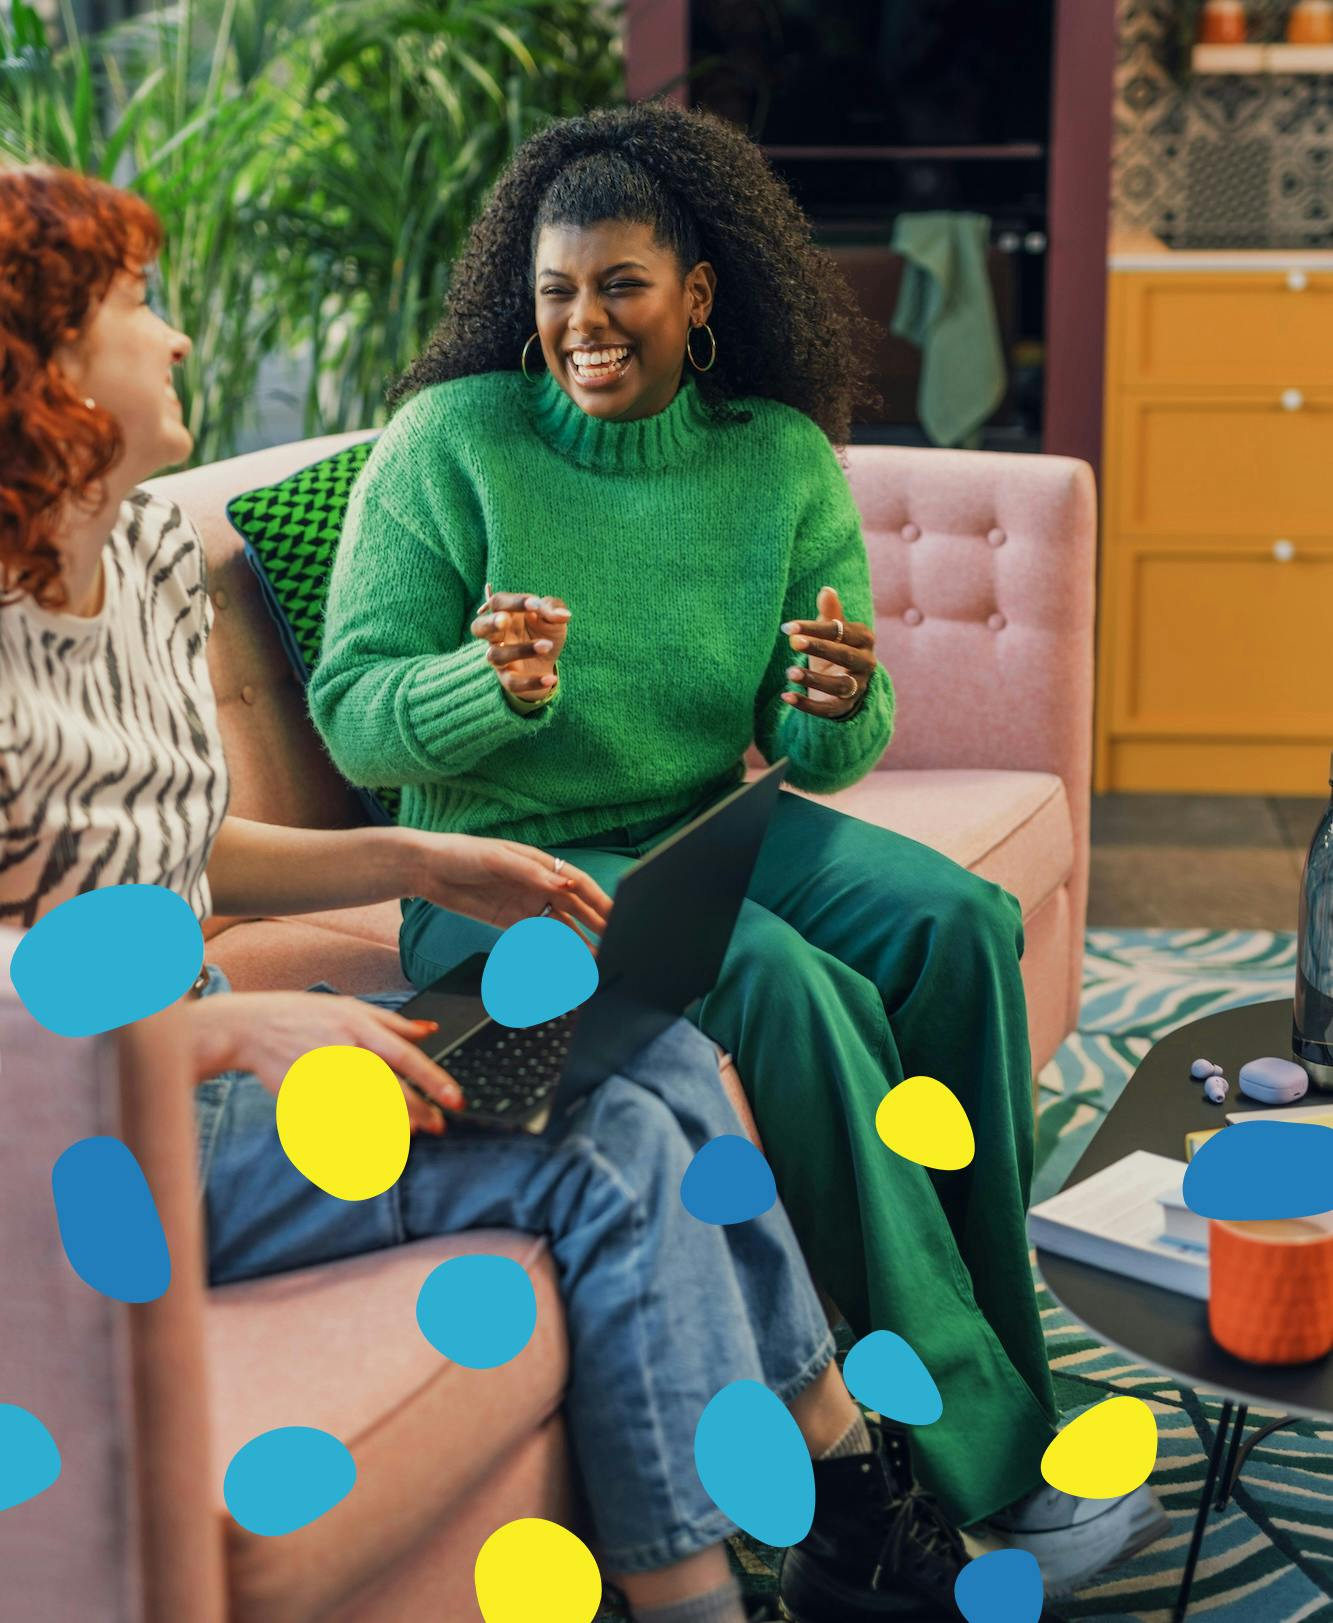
(663, 948)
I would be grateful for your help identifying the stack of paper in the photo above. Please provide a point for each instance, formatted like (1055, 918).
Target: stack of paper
(1115, 1220)
(1180, 1224)
(1319, 1113)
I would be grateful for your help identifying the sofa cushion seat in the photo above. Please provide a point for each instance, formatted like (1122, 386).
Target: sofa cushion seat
(1013, 828)
(339, 1348)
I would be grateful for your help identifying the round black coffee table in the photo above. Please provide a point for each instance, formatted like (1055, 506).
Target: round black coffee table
(1159, 1105)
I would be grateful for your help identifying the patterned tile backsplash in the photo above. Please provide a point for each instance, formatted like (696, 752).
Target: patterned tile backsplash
(1229, 161)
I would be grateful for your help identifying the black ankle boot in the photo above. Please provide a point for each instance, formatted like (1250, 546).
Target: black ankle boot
(879, 1548)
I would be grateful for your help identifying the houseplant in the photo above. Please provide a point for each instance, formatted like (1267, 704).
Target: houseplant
(315, 164)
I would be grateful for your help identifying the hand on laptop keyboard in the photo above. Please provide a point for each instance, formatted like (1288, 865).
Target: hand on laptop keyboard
(504, 1071)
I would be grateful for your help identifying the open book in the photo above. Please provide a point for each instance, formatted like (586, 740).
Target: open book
(1115, 1220)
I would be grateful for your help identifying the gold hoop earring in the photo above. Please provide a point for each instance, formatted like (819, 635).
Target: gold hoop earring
(689, 348)
(523, 359)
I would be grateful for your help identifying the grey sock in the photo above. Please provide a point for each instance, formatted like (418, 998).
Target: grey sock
(717, 1606)
(855, 1440)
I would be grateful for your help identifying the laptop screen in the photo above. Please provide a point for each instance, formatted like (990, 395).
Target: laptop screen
(675, 910)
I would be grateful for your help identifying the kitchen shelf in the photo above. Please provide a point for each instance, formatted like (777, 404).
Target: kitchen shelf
(1262, 59)
(1014, 149)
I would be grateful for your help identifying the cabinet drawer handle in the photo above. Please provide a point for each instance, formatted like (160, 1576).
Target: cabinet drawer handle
(1292, 400)
(1284, 551)
(1297, 281)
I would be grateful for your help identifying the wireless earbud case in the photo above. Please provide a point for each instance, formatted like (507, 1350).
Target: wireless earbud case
(1273, 1081)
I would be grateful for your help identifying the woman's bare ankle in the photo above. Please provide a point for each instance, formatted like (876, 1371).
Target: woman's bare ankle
(664, 1586)
(824, 1411)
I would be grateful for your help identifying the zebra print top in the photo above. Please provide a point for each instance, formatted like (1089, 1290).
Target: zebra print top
(111, 765)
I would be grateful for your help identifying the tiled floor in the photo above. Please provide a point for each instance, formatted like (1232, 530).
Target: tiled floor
(1216, 862)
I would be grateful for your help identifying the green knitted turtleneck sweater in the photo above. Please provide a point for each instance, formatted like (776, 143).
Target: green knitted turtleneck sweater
(680, 545)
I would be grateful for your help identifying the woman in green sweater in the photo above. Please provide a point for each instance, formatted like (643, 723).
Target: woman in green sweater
(584, 567)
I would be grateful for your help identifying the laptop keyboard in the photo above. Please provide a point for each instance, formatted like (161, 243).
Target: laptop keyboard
(505, 1071)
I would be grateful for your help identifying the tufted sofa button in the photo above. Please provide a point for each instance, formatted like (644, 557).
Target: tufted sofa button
(912, 617)
(248, 694)
(220, 598)
(997, 622)
(997, 537)
(911, 532)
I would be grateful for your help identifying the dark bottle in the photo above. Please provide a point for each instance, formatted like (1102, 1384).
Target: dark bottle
(1312, 1023)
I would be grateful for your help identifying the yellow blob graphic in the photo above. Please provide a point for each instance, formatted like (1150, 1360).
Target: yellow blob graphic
(343, 1122)
(533, 1569)
(1108, 1451)
(922, 1121)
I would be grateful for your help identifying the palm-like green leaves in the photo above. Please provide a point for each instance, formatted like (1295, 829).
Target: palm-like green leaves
(316, 165)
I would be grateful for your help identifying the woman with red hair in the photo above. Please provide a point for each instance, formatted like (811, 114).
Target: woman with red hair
(112, 771)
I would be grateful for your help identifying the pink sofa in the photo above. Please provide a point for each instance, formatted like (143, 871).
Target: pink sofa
(983, 575)
(983, 569)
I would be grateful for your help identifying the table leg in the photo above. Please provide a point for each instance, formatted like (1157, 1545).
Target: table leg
(1205, 1505)
(1229, 1470)
(1236, 1461)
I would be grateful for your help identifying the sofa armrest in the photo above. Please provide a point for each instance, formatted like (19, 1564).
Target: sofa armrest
(72, 1551)
(127, 1533)
(181, 1538)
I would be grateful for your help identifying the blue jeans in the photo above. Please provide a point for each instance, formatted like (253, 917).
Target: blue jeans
(662, 1309)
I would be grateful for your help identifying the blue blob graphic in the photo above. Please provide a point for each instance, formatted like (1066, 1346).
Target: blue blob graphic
(728, 1181)
(287, 1478)
(108, 1220)
(538, 970)
(1263, 1169)
(106, 958)
(754, 1465)
(478, 1311)
(29, 1458)
(885, 1374)
(1003, 1586)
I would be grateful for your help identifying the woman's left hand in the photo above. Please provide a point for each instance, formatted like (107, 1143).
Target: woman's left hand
(500, 882)
(841, 655)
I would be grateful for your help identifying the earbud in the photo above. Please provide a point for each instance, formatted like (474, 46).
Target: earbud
(1202, 1069)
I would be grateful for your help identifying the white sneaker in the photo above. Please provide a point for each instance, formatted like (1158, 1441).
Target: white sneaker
(1075, 1539)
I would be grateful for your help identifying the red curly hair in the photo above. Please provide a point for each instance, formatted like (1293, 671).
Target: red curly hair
(64, 238)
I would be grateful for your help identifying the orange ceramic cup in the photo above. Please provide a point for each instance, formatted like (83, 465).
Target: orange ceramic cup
(1270, 1295)
(1222, 23)
(1311, 23)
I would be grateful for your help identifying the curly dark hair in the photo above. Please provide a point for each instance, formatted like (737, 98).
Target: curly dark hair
(65, 236)
(788, 326)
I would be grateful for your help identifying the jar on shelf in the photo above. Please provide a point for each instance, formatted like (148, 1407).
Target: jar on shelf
(1310, 23)
(1222, 22)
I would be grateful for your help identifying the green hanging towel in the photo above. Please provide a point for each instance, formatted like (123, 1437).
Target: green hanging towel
(946, 308)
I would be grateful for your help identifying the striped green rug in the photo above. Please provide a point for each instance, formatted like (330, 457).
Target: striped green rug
(1137, 986)
(1269, 1557)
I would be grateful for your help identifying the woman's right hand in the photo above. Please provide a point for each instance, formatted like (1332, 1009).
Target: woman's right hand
(267, 1032)
(526, 636)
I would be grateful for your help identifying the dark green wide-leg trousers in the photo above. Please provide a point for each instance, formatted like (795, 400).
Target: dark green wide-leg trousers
(860, 958)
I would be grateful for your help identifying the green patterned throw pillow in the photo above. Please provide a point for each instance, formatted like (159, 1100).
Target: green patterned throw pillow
(291, 532)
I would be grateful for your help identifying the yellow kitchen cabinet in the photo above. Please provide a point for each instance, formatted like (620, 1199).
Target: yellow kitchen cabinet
(1226, 328)
(1226, 466)
(1217, 535)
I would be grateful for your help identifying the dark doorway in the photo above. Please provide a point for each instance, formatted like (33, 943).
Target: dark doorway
(871, 108)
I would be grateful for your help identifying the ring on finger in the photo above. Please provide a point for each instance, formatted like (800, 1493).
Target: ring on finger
(854, 690)
(559, 864)
(839, 632)
(546, 911)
